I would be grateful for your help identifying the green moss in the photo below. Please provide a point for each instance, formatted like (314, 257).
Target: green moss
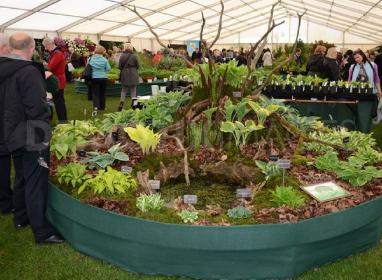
(208, 193)
(165, 215)
(152, 162)
(299, 160)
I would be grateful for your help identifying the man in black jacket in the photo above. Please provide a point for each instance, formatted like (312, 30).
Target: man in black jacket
(6, 204)
(25, 132)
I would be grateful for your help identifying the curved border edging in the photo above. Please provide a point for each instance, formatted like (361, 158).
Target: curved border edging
(237, 252)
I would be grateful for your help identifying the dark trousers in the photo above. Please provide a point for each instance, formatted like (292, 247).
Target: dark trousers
(59, 104)
(31, 192)
(6, 203)
(98, 91)
(90, 95)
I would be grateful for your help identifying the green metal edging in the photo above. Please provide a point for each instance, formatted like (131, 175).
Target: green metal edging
(236, 252)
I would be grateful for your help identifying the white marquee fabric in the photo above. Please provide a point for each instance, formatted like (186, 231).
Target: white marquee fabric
(353, 22)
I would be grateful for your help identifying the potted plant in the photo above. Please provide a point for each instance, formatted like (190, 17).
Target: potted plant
(147, 74)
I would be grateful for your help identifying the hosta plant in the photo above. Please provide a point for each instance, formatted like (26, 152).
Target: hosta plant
(110, 181)
(150, 202)
(144, 136)
(73, 174)
(287, 196)
(269, 169)
(239, 130)
(239, 212)
(101, 161)
(188, 216)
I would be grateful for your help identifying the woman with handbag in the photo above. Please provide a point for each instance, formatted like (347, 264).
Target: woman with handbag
(100, 66)
(128, 64)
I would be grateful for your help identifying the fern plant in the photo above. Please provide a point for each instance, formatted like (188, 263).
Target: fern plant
(145, 137)
(151, 202)
(73, 174)
(287, 196)
(110, 181)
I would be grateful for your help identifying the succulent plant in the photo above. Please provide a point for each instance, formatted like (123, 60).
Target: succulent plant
(239, 212)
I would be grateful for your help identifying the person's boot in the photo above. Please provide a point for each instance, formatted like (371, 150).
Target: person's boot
(120, 107)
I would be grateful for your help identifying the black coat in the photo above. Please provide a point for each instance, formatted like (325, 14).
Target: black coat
(331, 69)
(315, 65)
(22, 99)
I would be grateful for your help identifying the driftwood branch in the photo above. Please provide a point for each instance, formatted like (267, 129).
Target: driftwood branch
(258, 91)
(186, 165)
(265, 41)
(220, 26)
(134, 10)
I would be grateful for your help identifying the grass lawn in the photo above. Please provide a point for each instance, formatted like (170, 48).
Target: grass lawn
(21, 259)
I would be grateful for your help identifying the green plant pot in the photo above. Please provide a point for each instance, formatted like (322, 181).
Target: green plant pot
(247, 252)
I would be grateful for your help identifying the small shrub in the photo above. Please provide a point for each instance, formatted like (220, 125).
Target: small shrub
(239, 212)
(188, 216)
(152, 202)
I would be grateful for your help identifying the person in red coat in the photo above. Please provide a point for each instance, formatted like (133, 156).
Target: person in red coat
(56, 65)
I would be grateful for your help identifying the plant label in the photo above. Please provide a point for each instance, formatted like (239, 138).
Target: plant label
(243, 193)
(325, 191)
(154, 184)
(149, 122)
(190, 199)
(236, 94)
(82, 153)
(346, 140)
(126, 169)
(94, 113)
(114, 136)
(273, 157)
(284, 163)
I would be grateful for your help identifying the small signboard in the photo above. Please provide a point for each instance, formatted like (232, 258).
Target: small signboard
(114, 136)
(284, 163)
(154, 184)
(82, 153)
(325, 191)
(190, 199)
(243, 193)
(273, 157)
(236, 94)
(126, 169)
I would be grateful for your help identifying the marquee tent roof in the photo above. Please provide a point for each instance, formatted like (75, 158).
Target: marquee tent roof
(181, 19)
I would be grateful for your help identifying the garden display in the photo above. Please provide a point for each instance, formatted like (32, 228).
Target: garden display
(189, 170)
(213, 144)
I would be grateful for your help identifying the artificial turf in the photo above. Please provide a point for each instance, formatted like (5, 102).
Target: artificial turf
(22, 259)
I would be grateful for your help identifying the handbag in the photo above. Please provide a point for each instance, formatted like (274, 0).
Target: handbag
(88, 73)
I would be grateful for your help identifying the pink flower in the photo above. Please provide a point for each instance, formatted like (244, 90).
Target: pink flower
(59, 42)
(78, 41)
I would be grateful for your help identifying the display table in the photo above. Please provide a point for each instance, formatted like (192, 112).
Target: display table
(215, 252)
(115, 89)
(352, 111)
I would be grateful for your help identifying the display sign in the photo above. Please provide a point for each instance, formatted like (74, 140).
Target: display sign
(326, 191)
(243, 193)
(236, 94)
(273, 157)
(190, 199)
(284, 163)
(154, 184)
(126, 169)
